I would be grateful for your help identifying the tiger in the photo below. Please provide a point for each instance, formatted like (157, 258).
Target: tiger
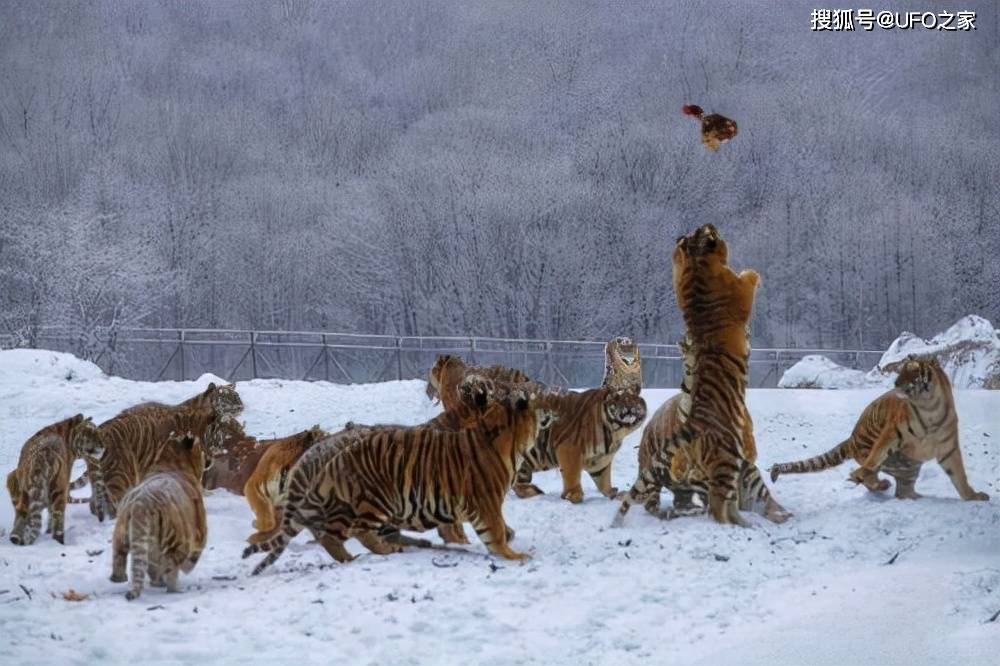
(162, 519)
(134, 439)
(716, 304)
(660, 441)
(268, 481)
(449, 371)
(589, 430)
(408, 478)
(223, 400)
(475, 394)
(41, 479)
(897, 433)
(622, 364)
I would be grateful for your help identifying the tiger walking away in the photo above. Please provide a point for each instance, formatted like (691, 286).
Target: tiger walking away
(161, 521)
(41, 480)
(897, 433)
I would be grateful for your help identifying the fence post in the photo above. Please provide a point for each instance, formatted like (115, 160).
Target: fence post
(548, 363)
(326, 360)
(399, 358)
(472, 351)
(253, 354)
(180, 346)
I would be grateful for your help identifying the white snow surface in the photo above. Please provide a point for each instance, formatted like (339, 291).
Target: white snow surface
(817, 589)
(969, 353)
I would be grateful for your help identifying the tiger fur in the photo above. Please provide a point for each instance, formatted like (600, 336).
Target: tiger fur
(716, 304)
(134, 439)
(40, 482)
(588, 432)
(660, 442)
(223, 400)
(475, 394)
(622, 364)
(449, 371)
(897, 433)
(408, 478)
(162, 521)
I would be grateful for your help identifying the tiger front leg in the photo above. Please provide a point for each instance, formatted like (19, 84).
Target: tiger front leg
(492, 531)
(570, 460)
(602, 479)
(953, 466)
(523, 487)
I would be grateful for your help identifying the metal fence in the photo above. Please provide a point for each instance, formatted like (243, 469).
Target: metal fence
(156, 354)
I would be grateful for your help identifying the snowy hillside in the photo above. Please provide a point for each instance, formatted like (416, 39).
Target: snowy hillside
(851, 578)
(969, 352)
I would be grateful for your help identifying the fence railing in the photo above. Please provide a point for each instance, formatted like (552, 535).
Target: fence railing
(156, 354)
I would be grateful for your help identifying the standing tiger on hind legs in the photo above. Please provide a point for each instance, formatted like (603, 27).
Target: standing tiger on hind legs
(716, 304)
(659, 442)
(897, 433)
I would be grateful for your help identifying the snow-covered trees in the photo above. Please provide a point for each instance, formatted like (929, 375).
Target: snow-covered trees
(432, 168)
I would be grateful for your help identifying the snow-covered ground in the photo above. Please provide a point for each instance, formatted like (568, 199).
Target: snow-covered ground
(969, 352)
(818, 589)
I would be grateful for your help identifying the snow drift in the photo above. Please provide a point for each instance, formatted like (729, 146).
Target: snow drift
(685, 591)
(969, 352)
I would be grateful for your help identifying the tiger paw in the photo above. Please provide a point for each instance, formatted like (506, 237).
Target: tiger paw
(118, 577)
(574, 495)
(525, 490)
(979, 497)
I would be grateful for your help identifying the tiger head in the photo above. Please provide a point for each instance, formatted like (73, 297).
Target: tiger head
(224, 399)
(477, 391)
(623, 351)
(185, 453)
(517, 417)
(224, 434)
(705, 241)
(448, 371)
(624, 408)
(85, 438)
(918, 376)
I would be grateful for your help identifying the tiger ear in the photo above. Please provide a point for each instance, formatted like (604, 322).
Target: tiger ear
(895, 366)
(212, 388)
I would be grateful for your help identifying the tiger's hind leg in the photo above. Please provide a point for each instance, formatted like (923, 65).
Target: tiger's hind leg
(120, 548)
(373, 542)
(523, 487)
(905, 470)
(453, 534)
(57, 514)
(756, 497)
(170, 581)
(869, 479)
(723, 490)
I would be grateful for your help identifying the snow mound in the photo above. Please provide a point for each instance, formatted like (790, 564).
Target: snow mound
(20, 366)
(815, 371)
(969, 352)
